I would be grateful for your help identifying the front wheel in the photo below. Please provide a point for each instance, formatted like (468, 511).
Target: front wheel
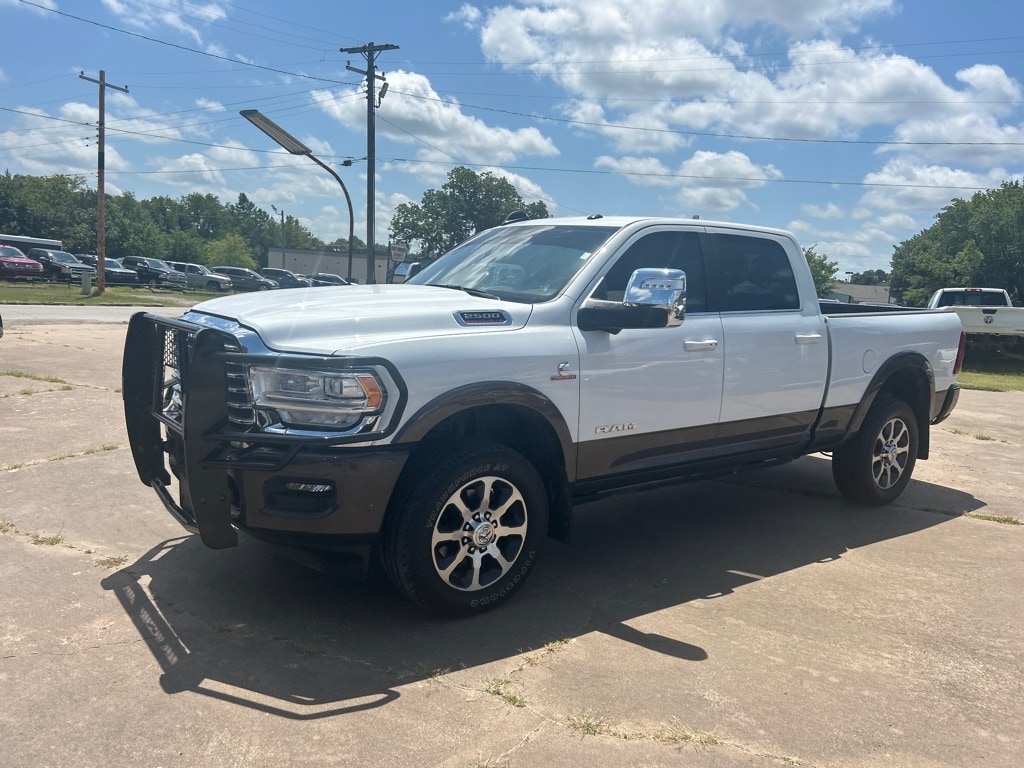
(876, 465)
(464, 532)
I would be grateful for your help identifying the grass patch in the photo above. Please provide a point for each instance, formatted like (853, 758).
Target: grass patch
(499, 687)
(101, 449)
(1004, 519)
(45, 541)
(992, 372)
(6, 526)
(112, 562)
(983, 437)
(32, 377)
(54, 293)
(677, 734)
(588, 724)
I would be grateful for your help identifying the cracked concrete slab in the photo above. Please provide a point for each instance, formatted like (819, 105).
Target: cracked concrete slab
(756, 621)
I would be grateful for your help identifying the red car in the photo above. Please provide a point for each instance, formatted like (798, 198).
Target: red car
(14, 265)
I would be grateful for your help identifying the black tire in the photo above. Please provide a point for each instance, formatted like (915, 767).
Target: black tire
(875, 466)
(213, 286)
(465, 530)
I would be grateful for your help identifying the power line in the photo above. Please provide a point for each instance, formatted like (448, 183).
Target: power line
(181, 47)
(713, 135)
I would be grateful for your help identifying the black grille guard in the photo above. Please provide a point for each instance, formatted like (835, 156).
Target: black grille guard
(212, 439)
(205, 494)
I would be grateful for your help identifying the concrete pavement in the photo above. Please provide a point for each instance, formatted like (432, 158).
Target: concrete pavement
(757, 621)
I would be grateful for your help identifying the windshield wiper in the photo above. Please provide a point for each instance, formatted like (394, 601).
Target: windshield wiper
(470, 291)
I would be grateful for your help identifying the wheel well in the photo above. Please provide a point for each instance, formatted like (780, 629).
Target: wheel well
(521, 429)
(912, 386)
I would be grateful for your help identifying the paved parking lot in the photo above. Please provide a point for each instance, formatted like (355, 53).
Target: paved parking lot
(755, 621)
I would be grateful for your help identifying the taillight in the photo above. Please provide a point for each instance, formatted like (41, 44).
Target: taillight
(960, 354)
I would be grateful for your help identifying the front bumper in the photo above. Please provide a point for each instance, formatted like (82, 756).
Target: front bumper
(311, 492)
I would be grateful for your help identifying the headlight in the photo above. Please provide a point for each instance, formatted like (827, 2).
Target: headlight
(317, 398)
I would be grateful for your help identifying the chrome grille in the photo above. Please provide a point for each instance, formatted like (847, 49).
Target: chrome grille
(175, 356)
(241, 411)
(177, 345)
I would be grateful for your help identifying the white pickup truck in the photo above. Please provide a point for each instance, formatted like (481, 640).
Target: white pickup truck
(449, 424)
(981, 310)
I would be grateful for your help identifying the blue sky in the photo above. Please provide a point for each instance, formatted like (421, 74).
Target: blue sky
(850, 122)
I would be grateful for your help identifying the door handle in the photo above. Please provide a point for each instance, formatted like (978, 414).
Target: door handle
(808, 338)
(700, 346)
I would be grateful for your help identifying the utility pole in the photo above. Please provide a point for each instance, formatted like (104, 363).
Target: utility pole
(369, 52)
(284, 235)
(101, 225)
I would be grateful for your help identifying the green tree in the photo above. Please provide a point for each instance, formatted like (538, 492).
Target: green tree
(294, 235)
(256, 226)
(59, 207)
(823, 270)
(870, 277)
(467, 203)
(185, 246)
(129, 229)
(229, 251)
(206, 216)
(976, 242)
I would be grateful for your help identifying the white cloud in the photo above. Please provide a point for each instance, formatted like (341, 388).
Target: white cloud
(706, 180)
(906, 186)
(414, 113)
(645, 171)
(186, 18)
(467, 15)
(210, 104)
(826, 211)
(46, 4)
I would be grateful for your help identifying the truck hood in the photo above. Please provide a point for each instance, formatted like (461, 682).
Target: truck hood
(347, 319)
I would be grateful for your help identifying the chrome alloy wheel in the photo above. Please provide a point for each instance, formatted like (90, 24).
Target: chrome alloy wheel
(891, 453)
(479, 533)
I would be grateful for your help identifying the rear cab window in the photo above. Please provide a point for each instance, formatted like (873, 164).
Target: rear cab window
(753, 274)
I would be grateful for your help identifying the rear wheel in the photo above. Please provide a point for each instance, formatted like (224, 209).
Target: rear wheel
(464, 532)
(876, 465)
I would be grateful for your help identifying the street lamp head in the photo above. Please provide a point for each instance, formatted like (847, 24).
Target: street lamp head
(276, 132)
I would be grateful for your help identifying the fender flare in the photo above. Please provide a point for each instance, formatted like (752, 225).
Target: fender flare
(489, 393)
(923, 380)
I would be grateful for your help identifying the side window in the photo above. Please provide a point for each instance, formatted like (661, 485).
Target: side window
(671, 250)
(754, 273)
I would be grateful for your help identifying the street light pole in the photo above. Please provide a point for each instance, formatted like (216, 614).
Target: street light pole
(296, 147)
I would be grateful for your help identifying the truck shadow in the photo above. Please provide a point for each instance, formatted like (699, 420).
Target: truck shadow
(253, 627)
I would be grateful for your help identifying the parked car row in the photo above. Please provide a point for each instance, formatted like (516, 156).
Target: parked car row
(199, 277)
(60, 266)
(114, 272)
(14, 265)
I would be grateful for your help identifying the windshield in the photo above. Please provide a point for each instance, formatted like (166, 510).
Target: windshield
(528, 264)
(11, 252)
(64, 257)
